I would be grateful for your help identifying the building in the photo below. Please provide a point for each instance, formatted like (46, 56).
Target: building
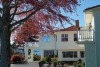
(90, 36)
(62, 44)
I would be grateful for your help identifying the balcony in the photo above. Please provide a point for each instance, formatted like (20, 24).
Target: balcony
(85, 35)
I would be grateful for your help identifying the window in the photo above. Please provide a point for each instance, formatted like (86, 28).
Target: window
(29, 51)
(48, 53)
(64, 37)
(82, 54)
(75, 37)
(46, 38)
(36, 55)
(69, 54)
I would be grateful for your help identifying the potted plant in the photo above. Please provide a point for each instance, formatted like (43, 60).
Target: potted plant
(42, 62)
(49, 60)
(55, 61)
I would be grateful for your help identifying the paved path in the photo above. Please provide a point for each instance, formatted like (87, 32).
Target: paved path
(33, 64)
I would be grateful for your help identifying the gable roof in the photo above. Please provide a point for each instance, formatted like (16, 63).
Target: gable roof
(97, 6)
(71, 28)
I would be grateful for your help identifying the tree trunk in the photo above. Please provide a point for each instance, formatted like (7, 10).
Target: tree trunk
(5, 33)
(5, 47)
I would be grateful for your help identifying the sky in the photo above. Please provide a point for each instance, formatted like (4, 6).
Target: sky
(79, 15)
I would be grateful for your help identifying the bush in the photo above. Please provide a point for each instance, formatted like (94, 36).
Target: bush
(49, 60)
(36, 57)
(42, 62)
(55, 61)
(17, 58)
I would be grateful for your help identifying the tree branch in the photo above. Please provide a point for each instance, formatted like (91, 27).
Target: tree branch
(23, 20)
(14, 5)
(28, 16)
(13, 29)
(14, 11)
(23, 12)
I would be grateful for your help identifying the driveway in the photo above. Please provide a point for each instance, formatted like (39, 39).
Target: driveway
(33, 64)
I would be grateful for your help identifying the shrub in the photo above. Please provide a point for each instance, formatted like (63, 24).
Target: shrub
(37, 57)
(17, 58)
(55, 61)
(42, 61)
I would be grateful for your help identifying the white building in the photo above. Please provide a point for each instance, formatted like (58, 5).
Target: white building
(62, 43)
(90, 36)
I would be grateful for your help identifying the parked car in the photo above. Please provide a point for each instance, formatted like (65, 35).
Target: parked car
(17, 58)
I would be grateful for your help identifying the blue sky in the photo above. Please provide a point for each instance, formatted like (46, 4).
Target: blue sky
(79, 12)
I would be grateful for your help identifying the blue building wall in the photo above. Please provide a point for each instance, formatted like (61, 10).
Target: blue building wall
(90, 55)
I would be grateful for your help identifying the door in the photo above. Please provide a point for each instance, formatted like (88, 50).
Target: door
(30, 55)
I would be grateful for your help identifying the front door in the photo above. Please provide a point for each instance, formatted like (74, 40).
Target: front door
(30, 55)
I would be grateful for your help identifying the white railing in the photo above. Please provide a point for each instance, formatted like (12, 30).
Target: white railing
(85, 35)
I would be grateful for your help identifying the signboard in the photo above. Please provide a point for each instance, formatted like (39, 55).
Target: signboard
(32, 44)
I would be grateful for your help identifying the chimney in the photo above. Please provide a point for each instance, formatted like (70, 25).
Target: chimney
(77, 23)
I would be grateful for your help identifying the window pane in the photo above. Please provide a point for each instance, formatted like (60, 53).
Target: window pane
(82, 54)
(48, 53)
(29, 51)
(65, 39)
(69, 54)
(66, 35)
(75, 37)
(75, 54)
(62, 35)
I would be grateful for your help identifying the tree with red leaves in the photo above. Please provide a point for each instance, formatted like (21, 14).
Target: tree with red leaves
(25, 32)
(44, 15)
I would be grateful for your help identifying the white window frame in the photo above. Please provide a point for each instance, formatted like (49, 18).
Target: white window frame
(64, 37)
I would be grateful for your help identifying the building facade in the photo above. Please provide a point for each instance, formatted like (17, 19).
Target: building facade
(62, 44)
(90, 36)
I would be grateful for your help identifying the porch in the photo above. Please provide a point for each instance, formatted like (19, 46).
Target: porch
(86, 35)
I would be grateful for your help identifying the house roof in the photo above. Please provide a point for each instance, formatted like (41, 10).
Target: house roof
(91, 8)
(71, 28)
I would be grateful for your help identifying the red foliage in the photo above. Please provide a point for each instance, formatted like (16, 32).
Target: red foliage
(45, 19)
(25, 31)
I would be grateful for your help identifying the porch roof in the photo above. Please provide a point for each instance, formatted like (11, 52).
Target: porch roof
(91, 8)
